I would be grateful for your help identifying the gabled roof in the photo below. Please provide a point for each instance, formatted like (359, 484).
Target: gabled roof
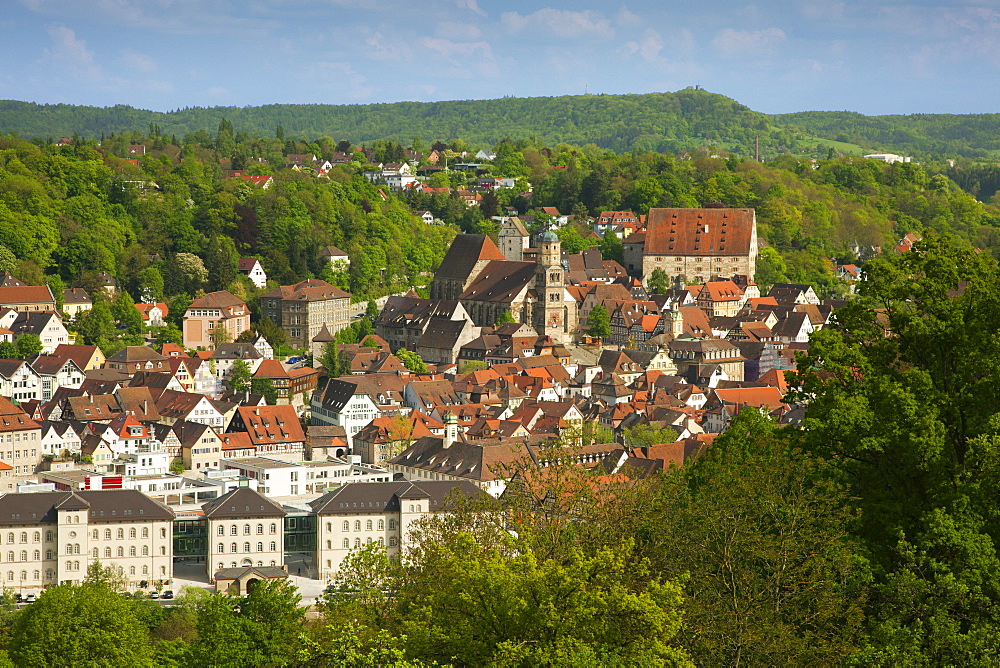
(385, 496)
(311, 289)
(463, 254)
(26, 294)
(699, 232)
(500, 281)
(220, 299)
(242, 502)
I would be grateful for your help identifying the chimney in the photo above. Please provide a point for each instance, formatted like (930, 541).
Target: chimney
(450, 430)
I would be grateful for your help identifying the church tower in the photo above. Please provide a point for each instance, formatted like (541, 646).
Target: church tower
(551, 317)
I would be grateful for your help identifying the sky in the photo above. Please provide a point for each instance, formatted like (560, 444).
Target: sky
(875, 57)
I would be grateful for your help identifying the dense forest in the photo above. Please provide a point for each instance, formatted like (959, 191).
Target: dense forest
(662, 122)
(657, 121)
(866, 535)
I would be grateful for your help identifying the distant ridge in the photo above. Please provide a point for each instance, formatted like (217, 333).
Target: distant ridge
(668, 122)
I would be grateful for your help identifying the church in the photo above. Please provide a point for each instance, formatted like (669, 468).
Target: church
(476, 273)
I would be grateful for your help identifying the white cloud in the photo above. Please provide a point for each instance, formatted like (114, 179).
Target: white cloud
(648, 47)
(383, 48)
(471, 5)
(627, 19)
(450, 49)
(453, 29)
(139, 62)
(750, 42)
(559, 22)
(71, 55)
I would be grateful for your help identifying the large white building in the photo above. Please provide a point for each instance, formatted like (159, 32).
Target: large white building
(379, 512)
(49, 538)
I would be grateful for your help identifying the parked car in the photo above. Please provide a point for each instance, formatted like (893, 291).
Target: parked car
(154, 594)
(167, 594)
(30, 598)
(293, 360)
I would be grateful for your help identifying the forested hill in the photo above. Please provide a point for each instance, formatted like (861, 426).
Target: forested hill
(969, 135)
(662, 122)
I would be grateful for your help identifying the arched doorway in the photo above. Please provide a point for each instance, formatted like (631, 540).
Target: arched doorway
(251, 584)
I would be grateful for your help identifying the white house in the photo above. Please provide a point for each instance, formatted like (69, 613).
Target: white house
(252, 269)
(344, 404)
(274, 477)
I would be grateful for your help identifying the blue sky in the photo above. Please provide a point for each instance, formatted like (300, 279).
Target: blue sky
(876, 57)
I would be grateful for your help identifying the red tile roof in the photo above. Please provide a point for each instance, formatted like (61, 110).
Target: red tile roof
(699, 231)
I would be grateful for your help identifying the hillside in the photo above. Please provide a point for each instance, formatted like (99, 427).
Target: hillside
(669, 122)
(968, 135)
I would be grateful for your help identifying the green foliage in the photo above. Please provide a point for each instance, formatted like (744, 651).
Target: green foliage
(645, 435)
(599, 322)
(87, 625)
(658, 282)
(261, 629)
(265, 386)
(28, 345)
(411, 360)
(472, 365)
(611, 247)
(240, 377)
(504, 318)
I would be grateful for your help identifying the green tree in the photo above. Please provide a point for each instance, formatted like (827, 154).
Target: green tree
(645, 435)
(599, 322)
(658, 282)
(86, 625)
(612, 248)
(265, 386)
(126, 314)
(8, 350)
(472, 365)
(760, 530)
(902, 401)
(504, 318)
(262, 629)
(520, 608)
(411, 360)
(96, 323)
(28, 345)
(240, 377)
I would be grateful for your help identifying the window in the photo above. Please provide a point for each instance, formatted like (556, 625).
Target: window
(107, 552)
(163, 532)
(392, 542)
(121, 551)
(232, 547)
(107, 534)
(222, 530)
(233, 531)
(36, 555)
(392, 525)
(121, 534)
(347, 525)
(222, 549)
(10, 537)
(347, 543)
(246, 529)
(24, 536)
(48, 536)
(145, 532)
(131, 551)
(145, 570)
(37, 537)
(381, 525)
(48, 554)
(274, 546)
(329, 527)
(96, 535)
(131, 533)
(357, 542)
(131, 570)
(163, 550)
(260, 529)
(368, 525)
(357, 525)
(246, 547)
(260, 547)
(274, 528)
(96, 553)
(145, 550)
